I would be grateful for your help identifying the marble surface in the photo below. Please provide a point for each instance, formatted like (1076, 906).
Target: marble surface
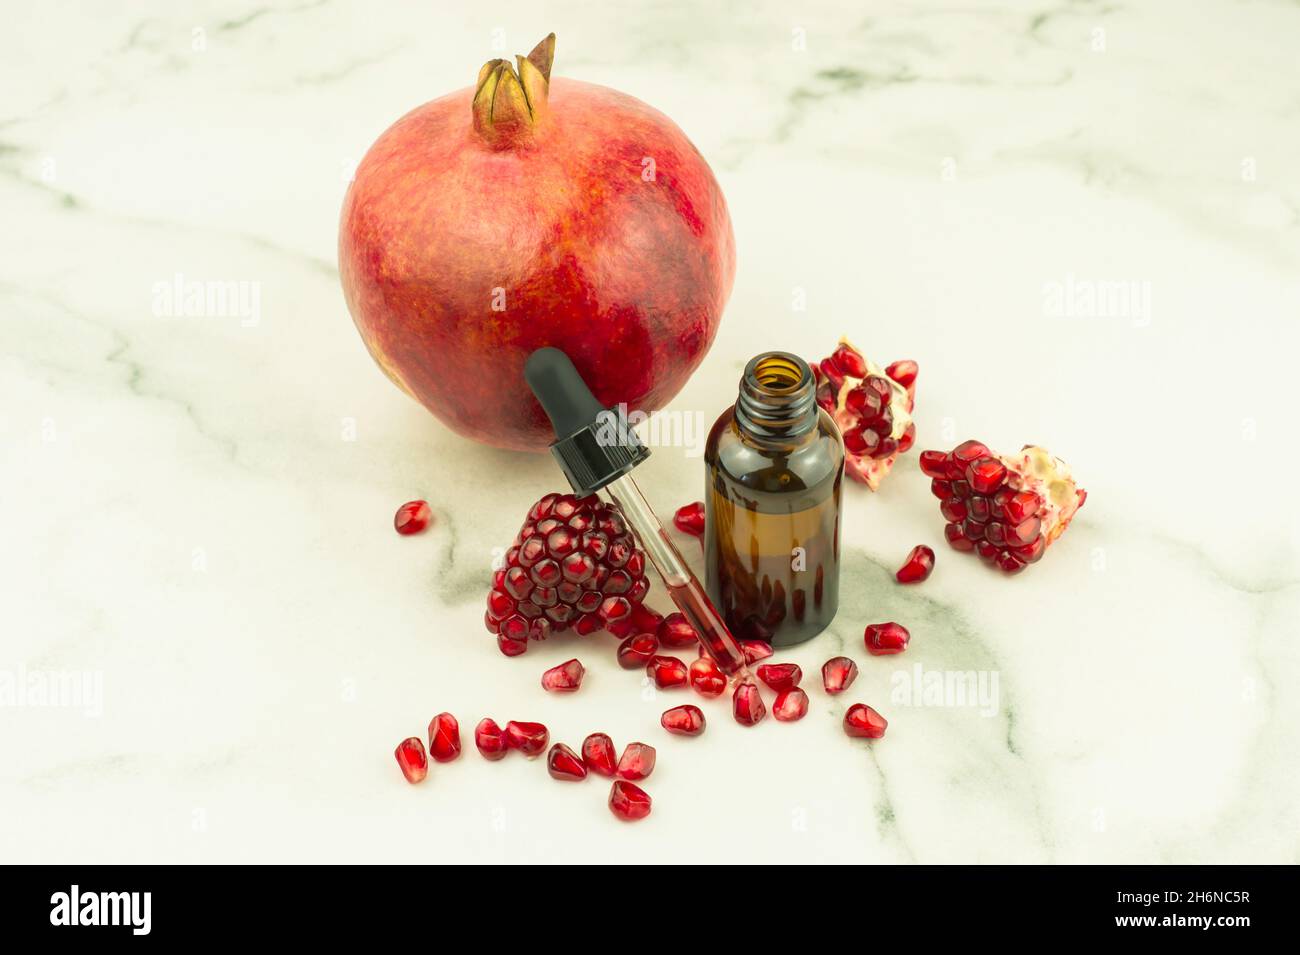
(196, 509)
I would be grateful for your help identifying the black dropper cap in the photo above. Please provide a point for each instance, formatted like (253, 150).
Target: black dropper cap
(594, 444)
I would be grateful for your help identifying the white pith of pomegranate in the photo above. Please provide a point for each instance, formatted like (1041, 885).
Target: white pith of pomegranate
(872, 407)
(1007, 508)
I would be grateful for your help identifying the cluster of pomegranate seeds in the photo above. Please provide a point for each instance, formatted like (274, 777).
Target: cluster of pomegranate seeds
(1008, 509)
(873, 408)
(628, 801)
(667, 672)
(574, 564)
(689, 518)
(598, 754)
(529, 738)
(707, 678)
(883, 639)
(838, 674)
(864, 722)
(412, 517)
(637, 761)
(780, 676)
(565, 678)
(637, 651)
(411, 758)
(747, 704)
(676, 631)
(917, 567)
(564, 764)
(790, 705)
(685, 720)
(490, 739)
(444, 738)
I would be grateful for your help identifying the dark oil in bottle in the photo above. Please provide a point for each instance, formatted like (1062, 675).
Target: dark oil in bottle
(772, 535)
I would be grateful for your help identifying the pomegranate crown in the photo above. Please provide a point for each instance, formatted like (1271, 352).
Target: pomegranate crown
(507, 104)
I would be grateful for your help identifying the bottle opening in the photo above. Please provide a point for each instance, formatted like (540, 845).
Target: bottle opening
(777, 397)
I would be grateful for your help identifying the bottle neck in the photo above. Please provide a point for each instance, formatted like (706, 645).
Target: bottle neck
(777, 404)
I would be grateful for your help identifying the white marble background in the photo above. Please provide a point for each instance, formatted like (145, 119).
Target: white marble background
(187, 516)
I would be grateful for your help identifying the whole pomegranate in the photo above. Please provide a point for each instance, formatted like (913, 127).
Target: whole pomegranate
(524, 212)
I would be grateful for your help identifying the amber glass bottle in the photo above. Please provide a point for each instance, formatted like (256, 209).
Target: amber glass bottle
(772, 535)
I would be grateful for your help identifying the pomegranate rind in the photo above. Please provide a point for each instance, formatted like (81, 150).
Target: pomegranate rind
(1036, 469)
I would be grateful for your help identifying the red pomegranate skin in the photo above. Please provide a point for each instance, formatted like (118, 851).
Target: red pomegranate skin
(626, 272)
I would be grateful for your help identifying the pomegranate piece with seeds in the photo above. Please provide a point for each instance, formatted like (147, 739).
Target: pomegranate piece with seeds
(838, 674)
(598, 754)
(490, 739)
(864, 722)
(780, 676)
(790, 705)
(565, 678)
(1007, 508)
(676, 631)
(917, 567)
(689, 518)
(747, 704)
(873, 408)
(573, 564)
(412, 517)
(667, 672)
(883, 639)
(628, 801)
(686, 720)
(411, 759)
(707, 678)
(637, 761)
(637, 650)
(444, 738)
(529, 738)
(755, 650)
(563, 764)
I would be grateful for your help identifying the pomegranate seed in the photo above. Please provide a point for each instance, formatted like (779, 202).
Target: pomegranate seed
(747, 704)
(941, 488)
(598, 754)
(883, 639)
(864, 722)
(676, 631)
(917, 567)
(1009, 563)
(529, 738)
(1023, 533)
(995, 532)
(954, 509)
(956, 539)
(629, 802)
(412, 517)
(614, 608)
(689, 518)
(490, 739)
(848, 361)
(637, 761)
(707, 678)
(1021, 505)
(986, 475)
(907, 439)
(790, 705)
(565, 678)
(411, 758)
(1030, 553)
(934, 464)
(780, 676)
(637, 650)
(903, 372)
(563, 764)
(444, 738)
(686, 720)
(588, 624)
(667, 672)
(965, 453)
(646, 620)
(838, 674)
(755, 650)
